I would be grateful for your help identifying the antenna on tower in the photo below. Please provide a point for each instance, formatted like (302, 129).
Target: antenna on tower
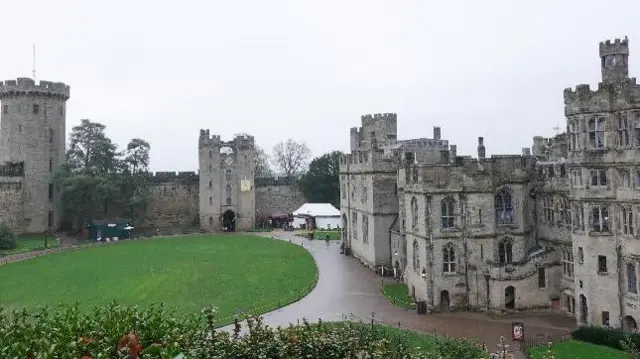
(34, 63)
(557, 129)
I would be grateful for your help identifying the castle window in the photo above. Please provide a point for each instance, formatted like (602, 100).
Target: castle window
(576, 178)
(344, 191)
(228, 175)
(567, 263)
(624, 178)
(563, 171)
(574, 133)
(505, 252)
(622, 130)
(627, 220)
(365, 229)
(228, 201)
(5, 109)
(542, 277)
(504, 207)
(598, 178)
(568, 216)
(354, 225)
(210, 185)
(36, 108)
(210, 168)
(636, 178)
(365, 194)
(578, 217)
(602, 264)
(210, 201)
(210, 221)
(580, 255)
(599, 219)
(449, 259)
(414, 213)
(547, 208)
(50, 191)
(50, 164)
(596, 133)
(632, 278)
(416, 256)
(447, 213)
(636, 132)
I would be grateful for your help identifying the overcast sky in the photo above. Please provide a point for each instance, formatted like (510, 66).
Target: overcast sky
(307, 69)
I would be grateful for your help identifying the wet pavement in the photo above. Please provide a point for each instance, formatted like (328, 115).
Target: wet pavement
(348, 289)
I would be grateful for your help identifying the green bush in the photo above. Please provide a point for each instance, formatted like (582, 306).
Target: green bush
(117, 331)
(8, 239)
(610, 337)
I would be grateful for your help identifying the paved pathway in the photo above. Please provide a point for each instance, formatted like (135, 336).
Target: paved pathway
(346, 288)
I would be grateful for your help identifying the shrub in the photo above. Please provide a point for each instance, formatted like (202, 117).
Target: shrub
(8, 239)
(610, 337)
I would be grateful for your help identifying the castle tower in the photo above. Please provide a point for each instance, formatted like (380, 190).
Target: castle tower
(227, 193)
(614, 58)
(32, 130)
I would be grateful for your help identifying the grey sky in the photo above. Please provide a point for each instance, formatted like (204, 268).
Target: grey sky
(308, 69)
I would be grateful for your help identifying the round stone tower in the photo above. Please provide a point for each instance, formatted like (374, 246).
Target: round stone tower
(32, 131)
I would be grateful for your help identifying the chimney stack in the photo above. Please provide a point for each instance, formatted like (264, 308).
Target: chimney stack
(481, 148)
(436, 133)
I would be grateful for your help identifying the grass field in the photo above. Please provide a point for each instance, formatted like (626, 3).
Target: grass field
(233, 272)
(321, 234)
(30, 242)
(573, 349)
(398, 294)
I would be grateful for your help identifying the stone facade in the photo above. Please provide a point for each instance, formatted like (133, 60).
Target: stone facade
(553, 228)
(32, 132)
(277, 195)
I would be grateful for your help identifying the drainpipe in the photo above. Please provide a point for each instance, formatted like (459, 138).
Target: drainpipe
(621, 283)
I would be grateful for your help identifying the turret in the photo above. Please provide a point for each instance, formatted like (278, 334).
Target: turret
(614, 60)
(481, 149)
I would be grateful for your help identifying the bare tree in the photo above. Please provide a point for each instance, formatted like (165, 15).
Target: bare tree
(291, 157)
(262, 166)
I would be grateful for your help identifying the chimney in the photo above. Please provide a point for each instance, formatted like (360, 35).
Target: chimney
(453, 149)
(481, 149)
(526, 152)
(436, 133)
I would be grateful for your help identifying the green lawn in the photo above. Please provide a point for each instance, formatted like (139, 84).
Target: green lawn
(398, 294)
(30, 242)
(322, 234)
(573, 349)
(234, 272)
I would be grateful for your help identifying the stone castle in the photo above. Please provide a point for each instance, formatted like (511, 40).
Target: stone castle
(555, 228)
(224, 192)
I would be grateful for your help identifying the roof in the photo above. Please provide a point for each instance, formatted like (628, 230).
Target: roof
(317, 210)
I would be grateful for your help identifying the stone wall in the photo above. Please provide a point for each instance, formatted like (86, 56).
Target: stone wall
(277, 196)
(174, 203)
(12, 204)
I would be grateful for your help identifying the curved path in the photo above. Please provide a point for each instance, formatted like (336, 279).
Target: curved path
(347, 288)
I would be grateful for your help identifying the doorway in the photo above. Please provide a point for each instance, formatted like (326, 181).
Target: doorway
(444, 301)
(629, 324)
(510, 297)
(229, 221)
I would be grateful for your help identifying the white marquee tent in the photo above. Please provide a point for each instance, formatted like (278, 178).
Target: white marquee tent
(325, 215)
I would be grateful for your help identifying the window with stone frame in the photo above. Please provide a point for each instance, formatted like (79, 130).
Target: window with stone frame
(228, 175)
(416, 256)
(354, 225)
(547, 209)
(574, 135)
(636, 178)
(449, 259)
(598, 178)
(414, 212)
(622, 130)
(576, 178)
(580, 255)
(504, 207)
(365, 228)
(365, 194)
(447, 212)
(596, 127)
(624, 178)
(599, 219)
(569, 214)
(602, 264)
(344, 191)
(559, 211)
(636, 129)
(626, 220)
(567, 263)
(505, 251)
(632, 278)
(578, 217)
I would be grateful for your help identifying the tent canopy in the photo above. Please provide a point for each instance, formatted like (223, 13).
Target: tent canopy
(277, 215)
(317, 210)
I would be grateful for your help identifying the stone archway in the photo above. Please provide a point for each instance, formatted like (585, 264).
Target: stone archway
(629, 324)
(229, 221)
(510, 297)
(444, 301)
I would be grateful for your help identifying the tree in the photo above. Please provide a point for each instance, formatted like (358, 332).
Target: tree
(322, 182)
(90, 150)
(135, 193)
(262, 167)
(290, 157)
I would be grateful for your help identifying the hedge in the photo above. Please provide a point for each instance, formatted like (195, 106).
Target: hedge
(610, 337)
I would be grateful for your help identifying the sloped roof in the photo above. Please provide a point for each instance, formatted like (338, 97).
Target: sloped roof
(317, 210)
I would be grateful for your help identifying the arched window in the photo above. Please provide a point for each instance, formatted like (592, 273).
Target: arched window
(449, 259)
(416, 256)
(505, 251)
(504, 207)
(447, 213)
(567, 263)
(414, 213)
(596, 132)
(632, 278)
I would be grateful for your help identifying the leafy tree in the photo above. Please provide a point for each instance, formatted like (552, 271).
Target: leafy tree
(322, 182)
(262, 167)
(290, 157)
(8, 239)
(135, 193)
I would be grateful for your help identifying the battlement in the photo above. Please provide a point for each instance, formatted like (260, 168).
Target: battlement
(376, 117)
(188, 176)
(244, 141)
(12, 169)
(207, 139)
(617, 47)
(27, 86)
(274, 181)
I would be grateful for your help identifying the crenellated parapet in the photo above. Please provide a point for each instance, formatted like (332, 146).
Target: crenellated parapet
(12, 169)
(368, 161)
(371, 119)
(615, 47)
(206, 139)
(27, 86)
(244, 142)
(274, 181)
(161, 177)
(607, 97)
